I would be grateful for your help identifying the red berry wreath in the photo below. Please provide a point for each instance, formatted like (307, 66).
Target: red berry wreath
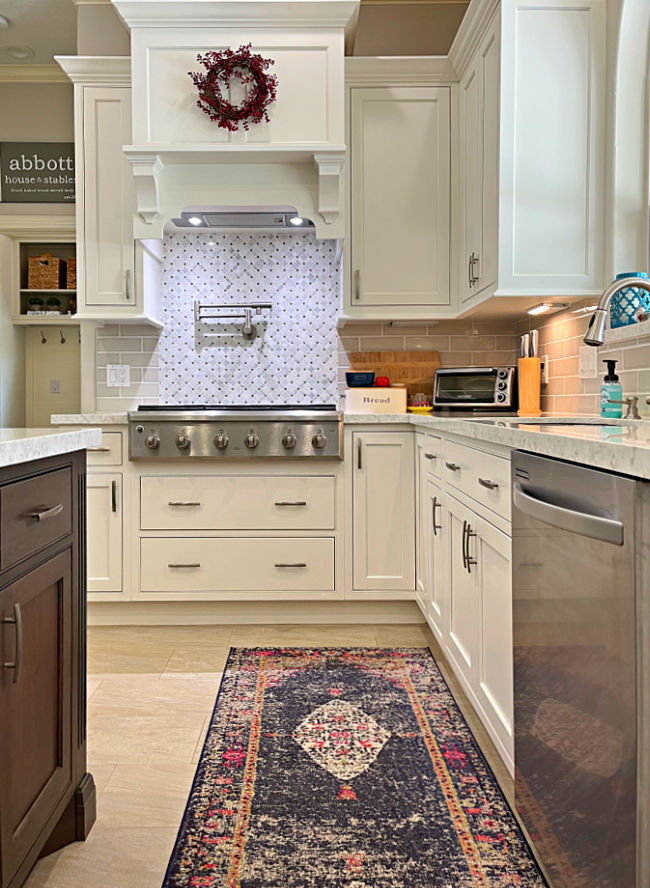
(247, 66)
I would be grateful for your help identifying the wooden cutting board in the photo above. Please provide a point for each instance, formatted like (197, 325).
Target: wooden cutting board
(415, 369)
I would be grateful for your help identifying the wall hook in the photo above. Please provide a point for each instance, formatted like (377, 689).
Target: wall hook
(43, 338)
(61, 337)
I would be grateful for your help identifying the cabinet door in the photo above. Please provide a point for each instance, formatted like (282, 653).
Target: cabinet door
(463, 639)
(471, 112)
(489, 59)
(400, 154)
(35, 705)
(420, 523)
(383, 511)
(109, 198)
(436, 533)
(104, 532)
(492, 550)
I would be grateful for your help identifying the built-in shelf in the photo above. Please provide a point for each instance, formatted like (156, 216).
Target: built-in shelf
(45, 290)
(46, 320)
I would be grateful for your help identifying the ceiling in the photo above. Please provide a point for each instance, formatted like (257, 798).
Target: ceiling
(386, 27)
(48, 27)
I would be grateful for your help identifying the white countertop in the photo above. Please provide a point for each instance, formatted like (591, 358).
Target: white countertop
(98, 419)
(25, 445)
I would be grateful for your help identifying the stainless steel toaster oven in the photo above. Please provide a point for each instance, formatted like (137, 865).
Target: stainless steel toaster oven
(480, 387)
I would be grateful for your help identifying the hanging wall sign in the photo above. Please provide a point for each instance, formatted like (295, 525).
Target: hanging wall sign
(37, 172)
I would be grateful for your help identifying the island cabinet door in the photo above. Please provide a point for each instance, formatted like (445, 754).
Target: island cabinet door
(35, 706)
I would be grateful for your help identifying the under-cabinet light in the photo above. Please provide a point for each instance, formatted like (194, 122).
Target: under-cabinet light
(543, 307)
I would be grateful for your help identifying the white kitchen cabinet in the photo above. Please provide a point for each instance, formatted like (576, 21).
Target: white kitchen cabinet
(104, 530)
(436, 529)
(400, 147)
(383, 504)
(420, 521)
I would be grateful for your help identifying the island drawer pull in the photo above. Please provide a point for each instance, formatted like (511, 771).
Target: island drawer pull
(289, 564)
(182, 503)
(430, 456)
(101, 449)
(485, 482)
(453, 467)
(17, 621)
(290, 503)
(44, 514)
(184, 564)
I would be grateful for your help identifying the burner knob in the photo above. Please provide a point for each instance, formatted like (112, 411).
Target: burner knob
(251, 440)
(183, 442)
(289, 440)
(152, 441)
(221, 441)
(319, 441)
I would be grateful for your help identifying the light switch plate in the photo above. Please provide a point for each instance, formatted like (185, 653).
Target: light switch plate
(55, 386)
(545, 368)
(118, 375)
(588, 368)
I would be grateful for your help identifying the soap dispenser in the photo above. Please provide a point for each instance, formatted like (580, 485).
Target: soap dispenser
(611, 389)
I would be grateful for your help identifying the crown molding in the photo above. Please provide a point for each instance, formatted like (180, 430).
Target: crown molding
(475, 21)
(23, 225)
(32, 74)
(96, 69)
(236, 13)
(394, 70)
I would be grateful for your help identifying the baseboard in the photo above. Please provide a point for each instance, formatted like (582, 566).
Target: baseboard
(188, 613)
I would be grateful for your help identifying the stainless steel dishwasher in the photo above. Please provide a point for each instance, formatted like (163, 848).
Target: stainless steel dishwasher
(580, 634)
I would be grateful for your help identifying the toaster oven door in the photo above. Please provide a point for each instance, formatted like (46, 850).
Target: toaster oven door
(471, 387)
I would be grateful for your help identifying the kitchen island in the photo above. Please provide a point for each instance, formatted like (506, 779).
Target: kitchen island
(47, 797)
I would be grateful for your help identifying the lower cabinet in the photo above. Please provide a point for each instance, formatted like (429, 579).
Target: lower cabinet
(420, 522)
(104, 515)
(383, 504)
(436, 531)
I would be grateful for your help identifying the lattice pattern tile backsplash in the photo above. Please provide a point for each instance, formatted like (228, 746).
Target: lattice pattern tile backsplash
(293, 360)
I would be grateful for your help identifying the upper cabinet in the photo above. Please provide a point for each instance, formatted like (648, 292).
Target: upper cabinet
(400, 145)
(111, 284)
(532, 143)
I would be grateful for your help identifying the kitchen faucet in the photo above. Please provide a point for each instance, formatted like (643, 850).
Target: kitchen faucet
(595, 334)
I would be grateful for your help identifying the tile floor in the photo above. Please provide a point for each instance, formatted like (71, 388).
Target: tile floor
(151, 691)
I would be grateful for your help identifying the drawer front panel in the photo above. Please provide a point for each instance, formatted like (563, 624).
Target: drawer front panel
(237, 565)
(237, 502)
(433, 455)
(483, 476)
(34, 513)
(109, 452)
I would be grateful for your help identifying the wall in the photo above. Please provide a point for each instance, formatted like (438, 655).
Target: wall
(561, 338)
(100, 31)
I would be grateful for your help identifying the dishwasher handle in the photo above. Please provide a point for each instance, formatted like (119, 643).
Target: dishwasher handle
(607, 530)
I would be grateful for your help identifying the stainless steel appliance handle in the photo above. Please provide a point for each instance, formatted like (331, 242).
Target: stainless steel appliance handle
(290, 503)
(17, 621)
(44, 514)
(607, 530)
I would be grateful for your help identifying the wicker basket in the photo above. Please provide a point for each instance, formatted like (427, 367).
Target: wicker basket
(71, 274)
(44, 272)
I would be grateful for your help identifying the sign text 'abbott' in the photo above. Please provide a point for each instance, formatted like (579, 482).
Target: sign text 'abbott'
(37, 172)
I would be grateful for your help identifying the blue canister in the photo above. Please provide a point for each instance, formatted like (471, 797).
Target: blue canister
(627, 304)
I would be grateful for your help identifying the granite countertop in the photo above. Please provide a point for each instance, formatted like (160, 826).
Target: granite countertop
(98, 419)
(615, 445)
(25, 445)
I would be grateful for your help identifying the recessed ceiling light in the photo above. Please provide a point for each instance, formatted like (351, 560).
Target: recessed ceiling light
(543, 307)
(195, 220)
(20, 53)
(296, 220)
(4, 22)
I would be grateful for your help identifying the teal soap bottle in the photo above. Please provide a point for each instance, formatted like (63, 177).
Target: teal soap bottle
(611, 389)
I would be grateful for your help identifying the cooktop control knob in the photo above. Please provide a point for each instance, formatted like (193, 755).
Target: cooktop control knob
(221, 441)
(183, 442)
(289, 440)
(152, 441)
(252, 440)
(319, 441)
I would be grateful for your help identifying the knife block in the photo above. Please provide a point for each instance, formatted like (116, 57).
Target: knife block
(529, 373)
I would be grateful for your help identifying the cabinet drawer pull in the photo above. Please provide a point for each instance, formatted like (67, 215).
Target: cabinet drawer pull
(469, 561)
(290, 503)
(114, 496)
(462, 544)
(289, 564)
(359, 451)
(184, 564)
(44, 514)
(430, 456)
(453, 467)
(469, 271)
(17, 621)
(436, 527)
(127, 284)
(485, 482)
(357, 285)
(182, 503)
(99, 449)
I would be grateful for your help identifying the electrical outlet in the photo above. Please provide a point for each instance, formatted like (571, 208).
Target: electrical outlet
(544, 362)
(118, 375)
(55, 386)
(588, 368)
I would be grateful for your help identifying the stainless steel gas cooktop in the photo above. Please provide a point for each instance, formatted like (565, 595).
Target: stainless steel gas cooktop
(241, 432)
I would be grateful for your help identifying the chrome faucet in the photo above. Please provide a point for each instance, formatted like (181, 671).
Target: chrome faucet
(595, 334)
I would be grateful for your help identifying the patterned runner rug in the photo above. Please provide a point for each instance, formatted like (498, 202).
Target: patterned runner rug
(344, 768)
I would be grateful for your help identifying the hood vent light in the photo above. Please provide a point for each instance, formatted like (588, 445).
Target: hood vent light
(266, 221)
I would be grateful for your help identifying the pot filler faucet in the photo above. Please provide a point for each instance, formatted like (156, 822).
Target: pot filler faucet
(595, 334)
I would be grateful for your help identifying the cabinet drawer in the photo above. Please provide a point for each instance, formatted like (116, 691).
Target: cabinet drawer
(433, 455)
(237, 502)
(33, 514)
(237, 565)
(108, 453)
(481, 475)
